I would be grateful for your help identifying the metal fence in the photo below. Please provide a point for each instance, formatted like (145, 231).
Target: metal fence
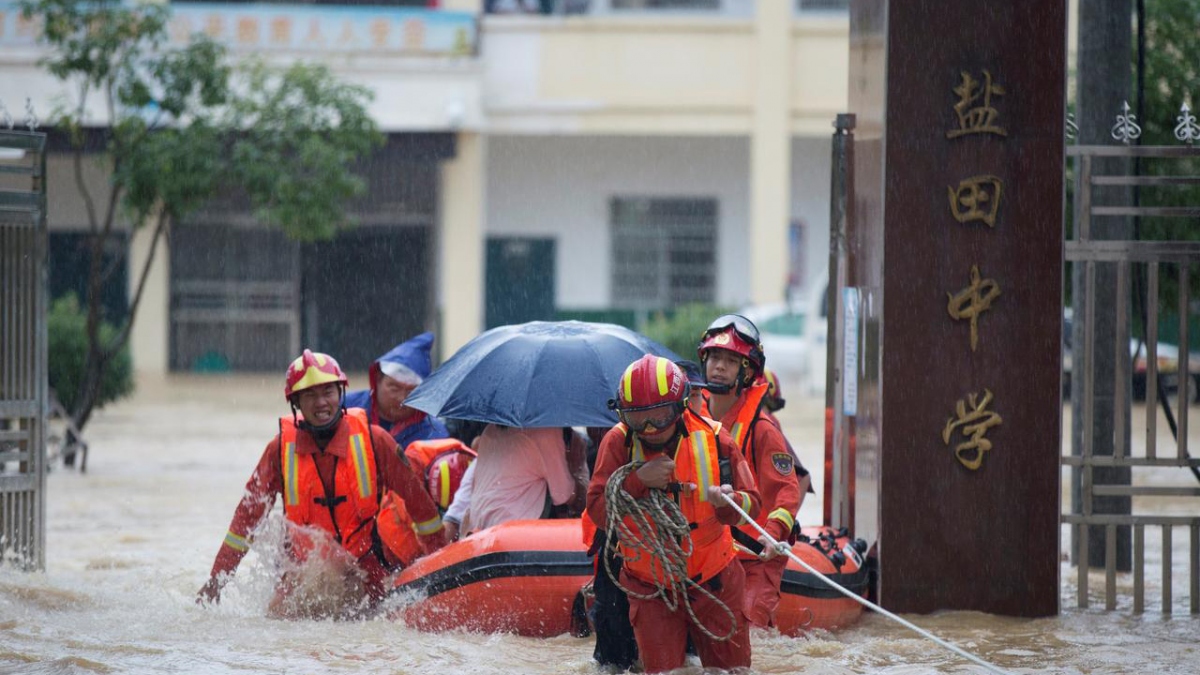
(1155, 259)
(23, 385)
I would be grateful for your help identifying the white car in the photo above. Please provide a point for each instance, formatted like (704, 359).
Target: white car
(793, 336)
(1168, 364)
(781, 327)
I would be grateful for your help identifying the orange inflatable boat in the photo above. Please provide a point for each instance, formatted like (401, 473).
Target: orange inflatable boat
(523, 577)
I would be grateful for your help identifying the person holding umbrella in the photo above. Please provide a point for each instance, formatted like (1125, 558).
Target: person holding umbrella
(662, 453)
(393, 377)
(336, 473)
(733, 360)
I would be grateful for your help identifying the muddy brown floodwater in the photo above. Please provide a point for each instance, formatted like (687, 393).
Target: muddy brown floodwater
(131, 541)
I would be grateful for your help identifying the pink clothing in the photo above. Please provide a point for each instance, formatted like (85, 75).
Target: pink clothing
(513, 471)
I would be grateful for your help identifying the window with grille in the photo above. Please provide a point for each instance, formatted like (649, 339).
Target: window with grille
(822, 5)
(664, 252)
(666, 4)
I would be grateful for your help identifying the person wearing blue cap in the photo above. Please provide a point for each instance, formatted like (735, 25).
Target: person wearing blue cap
(393, 377)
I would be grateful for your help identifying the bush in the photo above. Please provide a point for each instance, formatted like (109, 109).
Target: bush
(680, 328)
(66, 328)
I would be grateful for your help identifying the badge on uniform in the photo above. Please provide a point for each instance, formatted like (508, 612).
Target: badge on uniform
(783, 463)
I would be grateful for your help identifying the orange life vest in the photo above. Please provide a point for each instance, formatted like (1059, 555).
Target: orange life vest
(696, 461)
(350, 521)
(440, 481)
(421, 454)
(748, 407)
(397, 531)
(744, 412)
(587, 528)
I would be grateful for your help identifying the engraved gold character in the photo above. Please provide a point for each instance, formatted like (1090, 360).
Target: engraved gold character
(975, 422)
(976, 116)
(976, 198)
(972, 301)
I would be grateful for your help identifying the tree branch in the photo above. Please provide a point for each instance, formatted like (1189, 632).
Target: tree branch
(123, 336)
(88, 202)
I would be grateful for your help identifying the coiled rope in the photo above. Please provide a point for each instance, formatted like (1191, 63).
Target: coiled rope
(784, 548)
(661, 531)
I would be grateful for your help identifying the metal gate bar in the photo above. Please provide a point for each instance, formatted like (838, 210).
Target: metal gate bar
(1124, 255)
(23, 386)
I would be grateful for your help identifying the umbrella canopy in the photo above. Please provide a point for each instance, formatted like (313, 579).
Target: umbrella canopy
(536, 374)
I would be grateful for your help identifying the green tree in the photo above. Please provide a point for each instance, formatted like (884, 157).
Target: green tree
(680, 329)
(1171, 79)
(184, 124)
(66, 328)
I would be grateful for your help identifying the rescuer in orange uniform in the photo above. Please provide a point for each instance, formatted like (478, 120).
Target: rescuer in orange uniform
(732, 356)
(442, 462)
(694, 459)
(340, 478)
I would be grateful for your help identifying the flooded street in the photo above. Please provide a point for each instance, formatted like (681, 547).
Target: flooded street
(131, 541)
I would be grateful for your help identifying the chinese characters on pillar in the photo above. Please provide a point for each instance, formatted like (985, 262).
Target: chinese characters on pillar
(976, 199)
(976, 116)
(974, 419)
(972, 301)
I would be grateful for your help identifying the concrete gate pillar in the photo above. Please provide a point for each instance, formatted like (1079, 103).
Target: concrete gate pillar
(955, 247)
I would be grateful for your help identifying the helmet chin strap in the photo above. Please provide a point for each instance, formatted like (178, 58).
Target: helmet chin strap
(742, 379)
(736, 388)
(324, 432)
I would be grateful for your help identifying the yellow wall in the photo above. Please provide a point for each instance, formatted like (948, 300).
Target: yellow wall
(655, 74)
(460, 245)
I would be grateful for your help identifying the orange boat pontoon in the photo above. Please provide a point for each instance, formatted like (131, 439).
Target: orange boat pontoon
(523, 577)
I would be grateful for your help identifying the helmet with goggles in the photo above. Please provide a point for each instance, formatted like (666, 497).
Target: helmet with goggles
(735, 333)
(651, 395)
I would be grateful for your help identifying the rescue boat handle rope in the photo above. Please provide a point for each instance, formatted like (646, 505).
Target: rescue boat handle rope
(784, 548)
(662, 531)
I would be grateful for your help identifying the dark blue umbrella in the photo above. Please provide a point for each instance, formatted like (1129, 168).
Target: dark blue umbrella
(536, 374)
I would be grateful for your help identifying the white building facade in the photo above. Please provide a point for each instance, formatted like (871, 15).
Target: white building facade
(608, 162)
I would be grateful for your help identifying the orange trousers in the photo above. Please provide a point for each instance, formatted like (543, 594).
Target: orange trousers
(762, 589)
(662, 635)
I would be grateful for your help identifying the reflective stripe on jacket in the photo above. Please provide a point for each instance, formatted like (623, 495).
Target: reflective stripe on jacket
(745, 413)
(696, 461)
(350, 519)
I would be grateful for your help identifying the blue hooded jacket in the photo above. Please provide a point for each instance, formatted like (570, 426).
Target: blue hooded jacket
(410, 363)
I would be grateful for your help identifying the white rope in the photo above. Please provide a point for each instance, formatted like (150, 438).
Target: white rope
(784, 548)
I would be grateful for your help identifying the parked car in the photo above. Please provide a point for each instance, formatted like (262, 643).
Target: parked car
(1167, 359)
(781, 326)
(793, 335)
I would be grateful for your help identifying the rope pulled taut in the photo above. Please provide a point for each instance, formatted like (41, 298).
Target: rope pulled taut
(662, 531)
(783, 548)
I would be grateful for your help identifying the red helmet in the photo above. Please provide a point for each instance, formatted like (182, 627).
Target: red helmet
(651, 395)
(310, 370)
(445, 473)
(735, 333)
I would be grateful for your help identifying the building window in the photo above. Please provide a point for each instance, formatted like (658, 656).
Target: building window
(664, 252)
(666, 4)
(822, 5)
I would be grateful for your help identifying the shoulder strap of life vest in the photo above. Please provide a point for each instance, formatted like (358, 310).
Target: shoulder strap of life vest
(747, 414)
(360, 454)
